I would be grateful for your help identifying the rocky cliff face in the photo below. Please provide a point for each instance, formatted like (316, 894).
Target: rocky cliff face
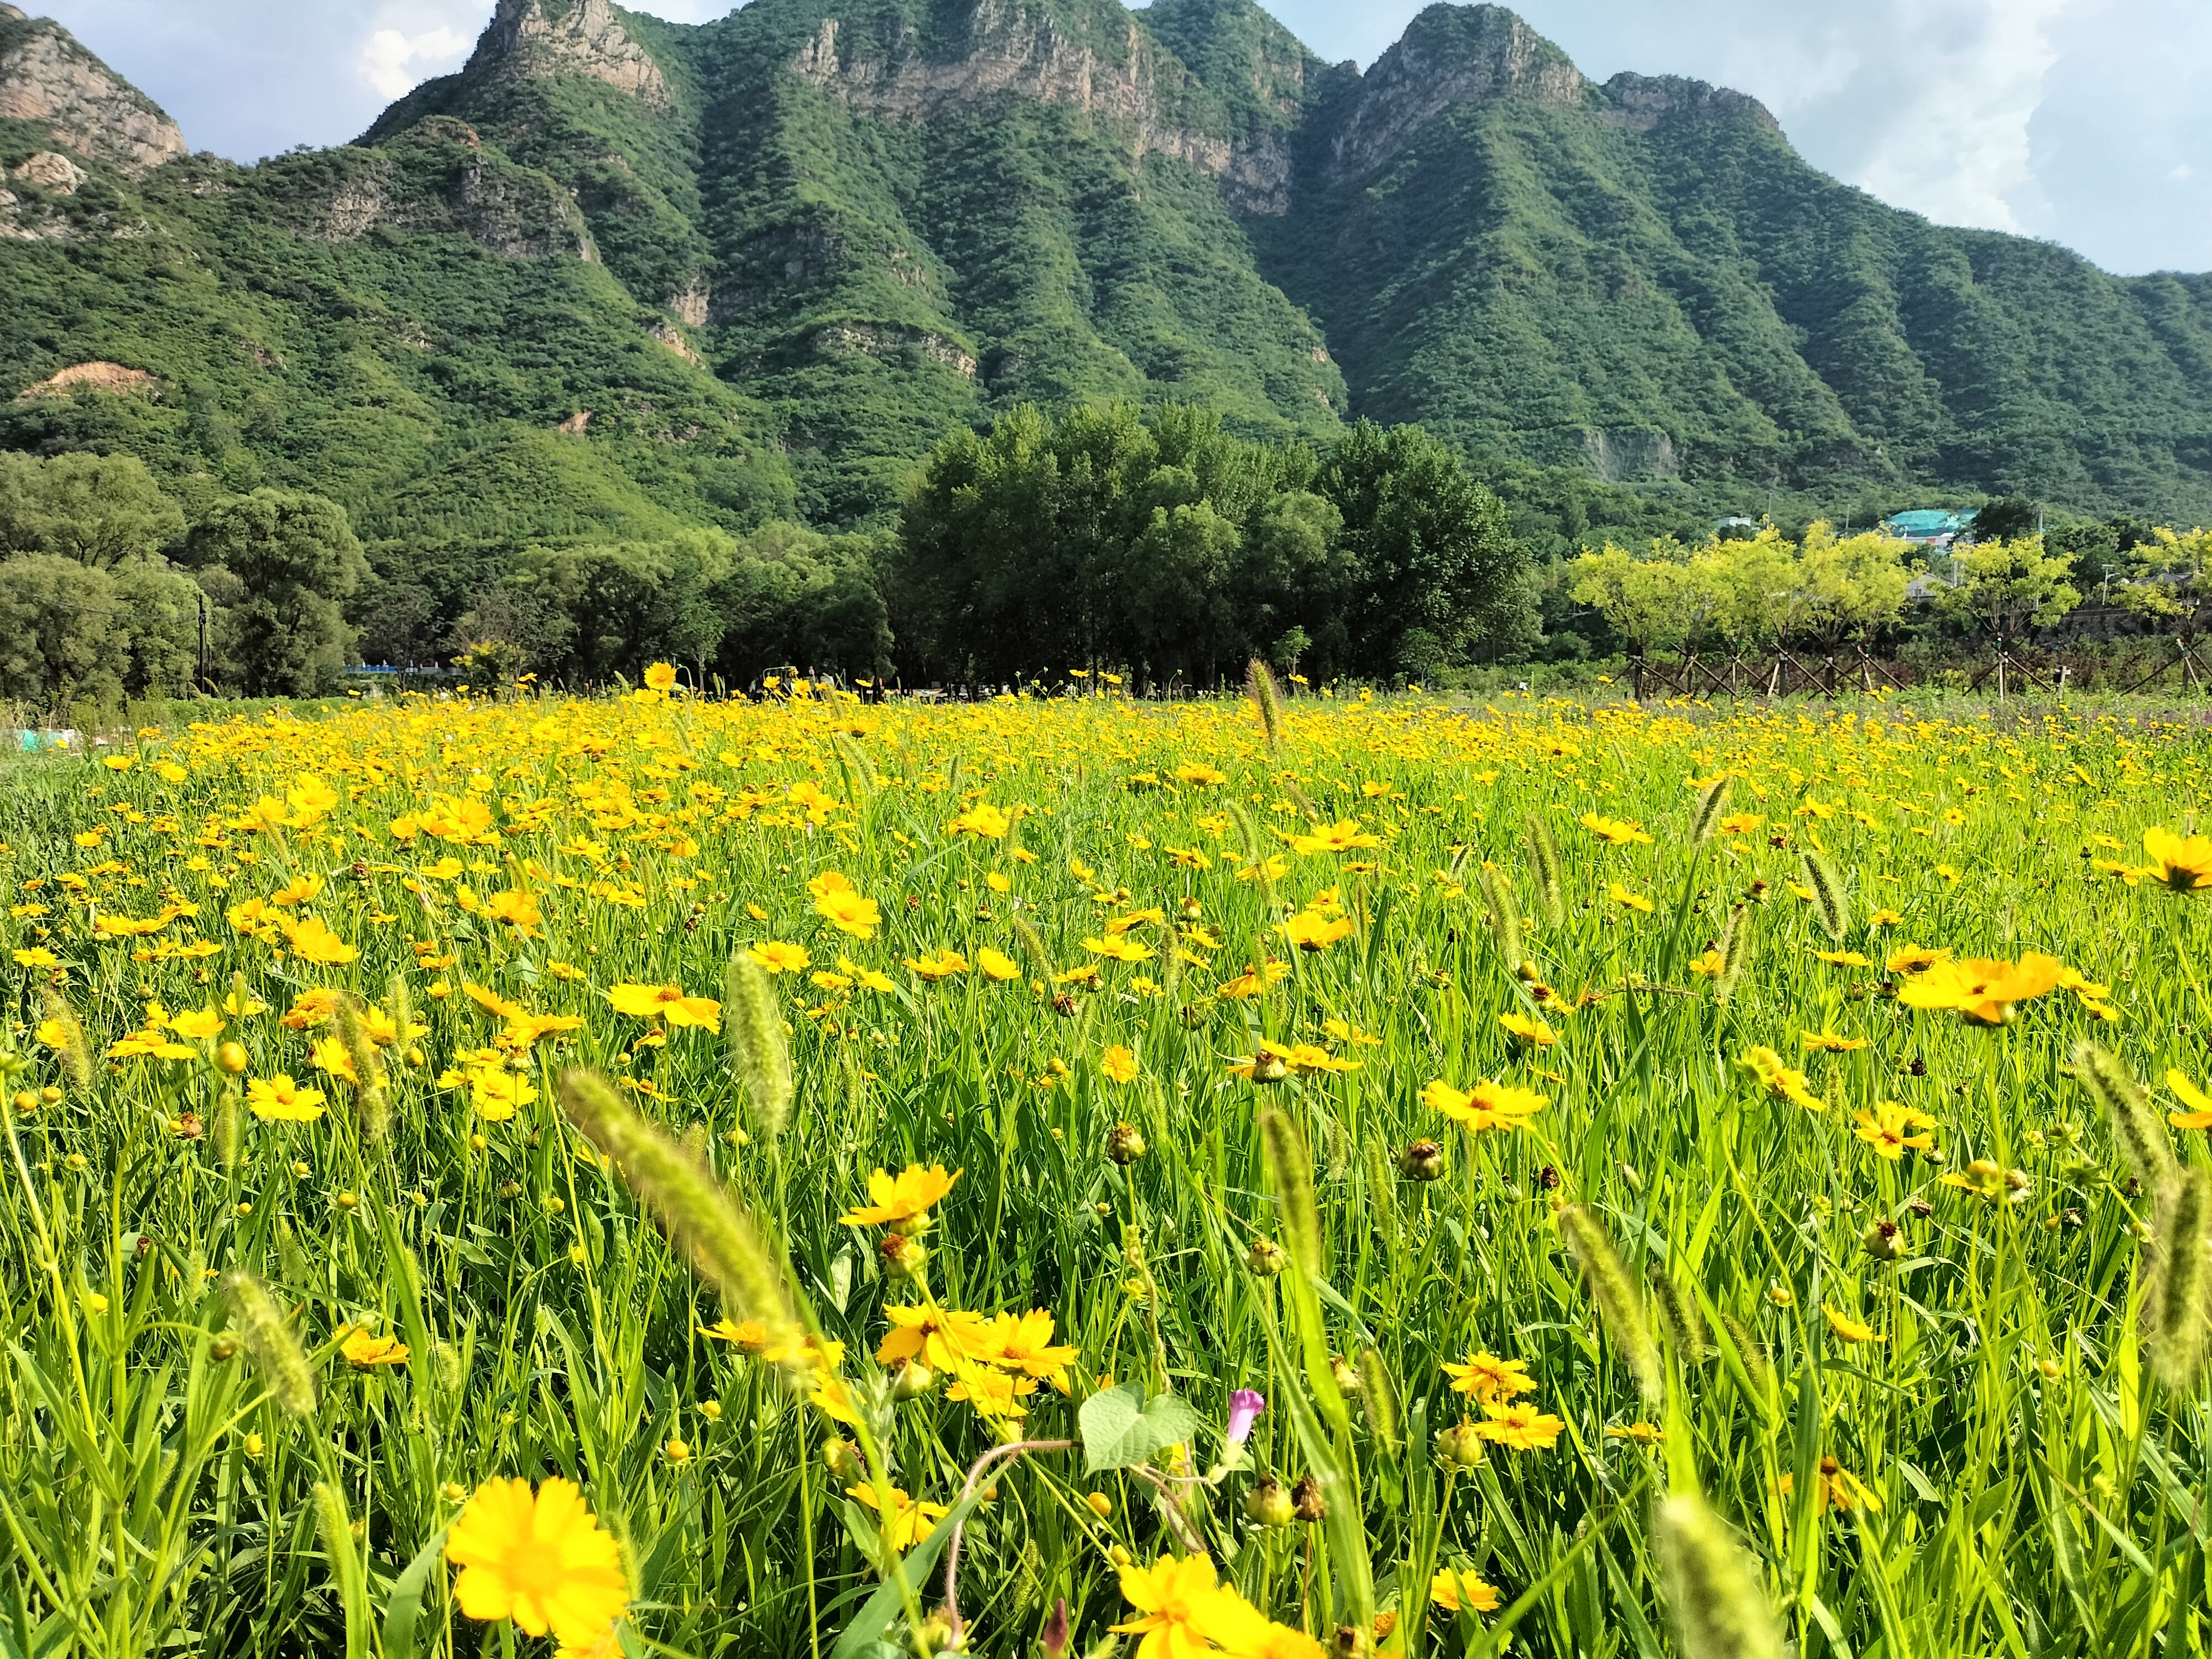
(45, 76)
(539, 38)
(1449, 56)
(1640, 102)
(1017, 51)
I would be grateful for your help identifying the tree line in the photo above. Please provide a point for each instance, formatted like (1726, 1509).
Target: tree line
(1152, 543)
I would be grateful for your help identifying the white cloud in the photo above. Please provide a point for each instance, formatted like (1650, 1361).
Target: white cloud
(393, 63)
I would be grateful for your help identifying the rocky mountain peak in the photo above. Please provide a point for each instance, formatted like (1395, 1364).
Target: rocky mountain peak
(1641, 101)
(536, 39)
(46, 77)
(1449, 56)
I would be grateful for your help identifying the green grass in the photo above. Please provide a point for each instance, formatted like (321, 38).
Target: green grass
(2039, 1492)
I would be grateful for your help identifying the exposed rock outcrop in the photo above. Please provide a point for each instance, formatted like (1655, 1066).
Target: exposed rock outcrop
(45, 76)
(97, 377)
(1449, 56)
(1013, 51)
(540, 38)
(1640, 101)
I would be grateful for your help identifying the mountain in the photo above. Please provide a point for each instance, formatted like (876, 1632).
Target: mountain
(619, 275)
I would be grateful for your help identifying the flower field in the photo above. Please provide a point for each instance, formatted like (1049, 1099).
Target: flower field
(650, 1175)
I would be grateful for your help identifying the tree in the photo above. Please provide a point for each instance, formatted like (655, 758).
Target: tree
(99, 510)
(293, 561)
(1431, 547)
(156, 635)
(2010, 587)
(1847, 587)
(2168, 573)
(56, 631)
(2009, 518)
(795, 597)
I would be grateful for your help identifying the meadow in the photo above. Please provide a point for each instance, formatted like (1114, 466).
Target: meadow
(657, 1176)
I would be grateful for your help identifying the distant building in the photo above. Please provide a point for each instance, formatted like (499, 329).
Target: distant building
(1722, 526)
(1929, 526)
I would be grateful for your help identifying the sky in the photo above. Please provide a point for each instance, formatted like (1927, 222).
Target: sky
(2079, 121)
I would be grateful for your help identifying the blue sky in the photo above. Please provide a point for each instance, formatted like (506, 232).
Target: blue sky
(2077, 120)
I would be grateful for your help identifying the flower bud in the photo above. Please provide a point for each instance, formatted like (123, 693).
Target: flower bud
(224, 1347)
(1268, 1503)
(231, 1057)
(843, 1459)
(914, 1380)
(1347, 1379)
(1422, 1160)
(189, 1127)
(254, 1445)
(1124, 1144)
(1459, 1446)
(1267, 1066)
(903, 1257)
(677, 1452)
(1305, 1499)
(1265, 1258)
(1351, 1642)
(1884, 1241)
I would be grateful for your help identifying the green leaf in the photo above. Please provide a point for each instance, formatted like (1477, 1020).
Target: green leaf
(404, 1612)
(1121, 1427)
(866, 1633)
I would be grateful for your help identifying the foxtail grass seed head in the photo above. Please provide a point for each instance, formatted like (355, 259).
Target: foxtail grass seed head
(1735, 949)
(1299, 799)
(1248, 835)
(229, 1123)
(1715, 1600)
(1619, 1302)
(74, 1051)
(753, 1038)
(1290, 1172)
(1751, 1351)
(1680, 1317)
(2177, 1293)
(1544, 866)
(1504, 915)
(372, 1107)
(853, 760)
(1260, 686)
(687, 1201)
(2143, 1139)
(1378, 1391)
(277, 1360)
(1710, 806)
(1830, 898)
(399, 1003)
(1033, 947)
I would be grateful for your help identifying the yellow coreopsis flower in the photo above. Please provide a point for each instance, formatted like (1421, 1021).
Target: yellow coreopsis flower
(905, 1197)
(1615, 832)
(1892, 1126)
(2181, 864)
(542, 1560)
(908, 1523)
(280, 1100)
(667, 1003)
(997, 964)
(1982, 992)
(1119, 1064)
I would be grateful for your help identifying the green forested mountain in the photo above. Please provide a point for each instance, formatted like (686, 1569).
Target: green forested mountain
(618, 277)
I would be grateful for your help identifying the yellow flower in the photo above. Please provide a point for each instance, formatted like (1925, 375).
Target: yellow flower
(661, 676)
(997, 964)
(1490, 1380)
(1844, 959)
(939, 965)
(1486, 1106)
(1309, 930)
(1913, 959)
(937, 1337)
(1181, 1611)
(908, 1523)
(1627, 900)
(1892, 1126)
(197, 1025)
(1828, 1042)
(1339, 837)
(497, 1093)
(982, 819)
(2185, 865)
(1982, 992)
(1615, 832)
(843, 908)
(543, 1561)
(36, 956)
(779, 957)
(367, 1351)
(280, 1100)
(312, 941)
(906, 1196)
(668, 1003)
(1519, 1424)
(1121, 948)
(1782, 1081)
(1847, 1328)
(1457, 1588)
(1119, 1064)
(1534, 1032)
(2199, 1115)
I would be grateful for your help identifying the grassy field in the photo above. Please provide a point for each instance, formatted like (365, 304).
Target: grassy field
(1667, 1181)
